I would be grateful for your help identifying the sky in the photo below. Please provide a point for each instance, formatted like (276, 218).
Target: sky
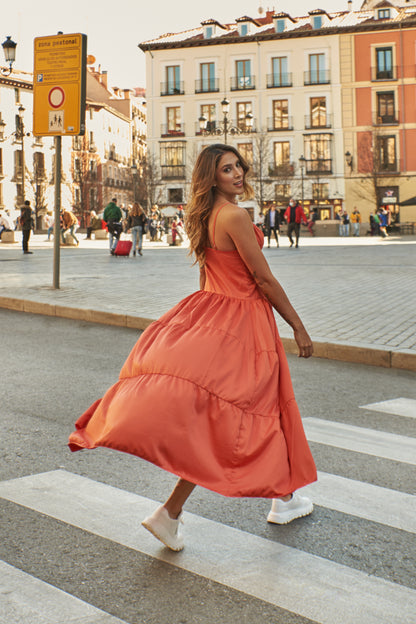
(115, 28)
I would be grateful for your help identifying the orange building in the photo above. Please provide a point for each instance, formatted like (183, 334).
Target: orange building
(380, 113)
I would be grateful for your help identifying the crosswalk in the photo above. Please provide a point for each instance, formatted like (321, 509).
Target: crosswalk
(308, 585)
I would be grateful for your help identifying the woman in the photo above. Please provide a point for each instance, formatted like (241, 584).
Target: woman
(234, 426)
(136, 222)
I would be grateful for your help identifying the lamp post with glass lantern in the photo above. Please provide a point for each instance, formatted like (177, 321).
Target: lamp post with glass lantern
(9, 49)
(21, 136)
(225, 127)
(302, 163)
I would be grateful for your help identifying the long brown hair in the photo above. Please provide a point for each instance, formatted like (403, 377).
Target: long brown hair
(202, 196)
(136, 210)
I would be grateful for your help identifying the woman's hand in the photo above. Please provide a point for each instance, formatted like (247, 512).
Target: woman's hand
(304, 342)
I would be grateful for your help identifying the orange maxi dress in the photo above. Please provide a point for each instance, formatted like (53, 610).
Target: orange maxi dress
(206, 393)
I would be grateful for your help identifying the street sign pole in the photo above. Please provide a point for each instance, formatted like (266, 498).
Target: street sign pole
(57, 226)
(59, 100)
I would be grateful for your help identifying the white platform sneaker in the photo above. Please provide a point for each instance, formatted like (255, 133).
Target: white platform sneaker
(297, 507)
(165, 528)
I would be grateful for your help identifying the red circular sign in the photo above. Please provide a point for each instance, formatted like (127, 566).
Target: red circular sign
(56, 97)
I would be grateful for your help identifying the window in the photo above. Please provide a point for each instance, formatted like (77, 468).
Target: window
(385, 108)
(317, 73)
(173, 84)
(207, 77)
(175, 195)
(208, 111)
(283, 192)
(172, 159)
(173, 120)
(93, 198)
(243, 108)
(39, 166)
(280, 25)
(246, 151)
(244, 77)
(280, 72)
(209, 31)
(386, 153)
(383, 13)
(317, 22)
(243, 30)
(318, 112)
(281, 150)
(318, 153)
(320, 191)
(280, 114)
(384, 63)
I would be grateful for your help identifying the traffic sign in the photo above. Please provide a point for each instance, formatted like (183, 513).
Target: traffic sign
(59, 85)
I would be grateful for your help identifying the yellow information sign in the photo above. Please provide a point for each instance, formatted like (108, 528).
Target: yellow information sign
(59, 85)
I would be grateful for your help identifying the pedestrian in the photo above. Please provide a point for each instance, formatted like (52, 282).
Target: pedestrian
(27, 224)
(49, 222)
(355, 220)
(384, 218)
(312, 221)
(294, 216)
(6, 223)
(338, 217)
(113, 216)
(272, 224)
(94, 224)
(346, 223)
(69, 222)
(136, 222)
(204, 394)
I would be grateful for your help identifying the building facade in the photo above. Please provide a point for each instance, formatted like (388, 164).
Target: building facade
(295, 95)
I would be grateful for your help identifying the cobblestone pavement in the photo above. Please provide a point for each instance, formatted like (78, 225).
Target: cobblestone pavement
(356, 291)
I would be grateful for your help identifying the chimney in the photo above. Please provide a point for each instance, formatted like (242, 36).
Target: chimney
(350, 5)
(126, 93)
(116, 91)
(104, 79)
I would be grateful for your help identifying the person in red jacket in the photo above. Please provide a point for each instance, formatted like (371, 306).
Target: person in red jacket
(294, 215)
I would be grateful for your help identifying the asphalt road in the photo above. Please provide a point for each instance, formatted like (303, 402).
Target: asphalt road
(53, 369)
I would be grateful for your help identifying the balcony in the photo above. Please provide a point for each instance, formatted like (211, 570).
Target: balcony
(378, 74)
(173, 172)
(386, 120)
(388, 168)
(319, 166)
(284, 170)
(174, 130)
(315, 122)
(207, 85)
(172, 88)
(242, 83)
(77, 176)
(276, 81)
(279, 124)
(316, 77)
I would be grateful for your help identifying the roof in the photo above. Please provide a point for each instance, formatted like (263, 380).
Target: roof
(339, 21)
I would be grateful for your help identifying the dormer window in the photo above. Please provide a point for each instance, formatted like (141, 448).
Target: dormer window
(317, 22)
(383, 14)
(210, 27)
(209, 31)
(280, 25)
(244, 29)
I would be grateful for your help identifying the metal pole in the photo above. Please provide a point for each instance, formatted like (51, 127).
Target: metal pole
(56, 227)
(22, 130)
(225, 128)
(301, 172)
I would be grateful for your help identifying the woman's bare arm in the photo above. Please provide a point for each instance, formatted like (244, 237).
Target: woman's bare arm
(237, 224)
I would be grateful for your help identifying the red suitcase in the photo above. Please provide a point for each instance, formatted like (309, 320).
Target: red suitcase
(123, 248)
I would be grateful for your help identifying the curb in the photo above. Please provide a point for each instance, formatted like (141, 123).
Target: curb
(326, 350)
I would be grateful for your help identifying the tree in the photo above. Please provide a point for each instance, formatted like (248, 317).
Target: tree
(85, 177)
(149, 184)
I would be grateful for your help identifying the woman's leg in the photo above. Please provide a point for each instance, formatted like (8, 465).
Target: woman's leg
(180, 494)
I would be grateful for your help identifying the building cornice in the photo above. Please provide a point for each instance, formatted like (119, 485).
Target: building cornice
(370, 26)
(16, 83)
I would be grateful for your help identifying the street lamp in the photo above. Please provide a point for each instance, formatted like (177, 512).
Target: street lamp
(225, 127)
(9, 49)
(302, 163)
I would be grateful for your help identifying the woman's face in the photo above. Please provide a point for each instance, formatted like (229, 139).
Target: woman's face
(229, 177)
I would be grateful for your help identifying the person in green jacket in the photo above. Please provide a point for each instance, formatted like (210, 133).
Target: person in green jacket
(112, 216)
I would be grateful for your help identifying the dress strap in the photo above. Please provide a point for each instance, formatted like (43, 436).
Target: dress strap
(215, 223)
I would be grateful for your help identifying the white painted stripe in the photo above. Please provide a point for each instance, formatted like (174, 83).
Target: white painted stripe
(27, 600)
(378, 504)
(379, 443)
(398, 407)
(324, 591)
